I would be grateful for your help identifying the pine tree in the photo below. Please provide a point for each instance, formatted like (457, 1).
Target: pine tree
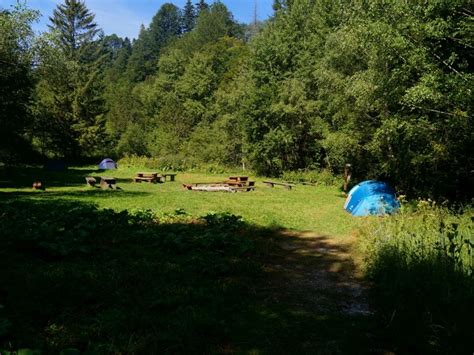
(70, 92)
(189, 16)
(201, 6)
(165, 25)
(76, 26)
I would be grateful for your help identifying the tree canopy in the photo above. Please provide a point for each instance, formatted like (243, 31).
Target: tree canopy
(385, 86)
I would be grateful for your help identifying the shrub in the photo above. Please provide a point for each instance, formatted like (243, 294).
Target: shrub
(321, 177)
(421, 265)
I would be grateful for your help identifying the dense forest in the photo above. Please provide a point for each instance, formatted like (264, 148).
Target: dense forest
(385, 86)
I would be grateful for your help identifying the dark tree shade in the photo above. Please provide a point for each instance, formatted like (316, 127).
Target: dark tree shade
(75, 24)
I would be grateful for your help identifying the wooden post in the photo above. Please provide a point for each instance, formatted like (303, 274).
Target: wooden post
(347, 176)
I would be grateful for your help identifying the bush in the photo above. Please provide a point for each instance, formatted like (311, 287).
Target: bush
(166, 163)
(73, 275)
(421, 266)
(320, 177)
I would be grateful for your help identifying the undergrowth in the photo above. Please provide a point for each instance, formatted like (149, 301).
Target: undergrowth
(318, 177)
(101, 281)
(420, 263)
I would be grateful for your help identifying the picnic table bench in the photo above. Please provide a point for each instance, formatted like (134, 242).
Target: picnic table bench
(148, 177)
(170, 175)
(240, 181)
(108, 182)
(287, 186)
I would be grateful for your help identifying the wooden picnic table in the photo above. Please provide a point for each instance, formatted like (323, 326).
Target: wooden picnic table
(148, 177)
(239, 178)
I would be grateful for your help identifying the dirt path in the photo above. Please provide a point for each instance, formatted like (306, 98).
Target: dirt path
(319, 273)
(316, 278)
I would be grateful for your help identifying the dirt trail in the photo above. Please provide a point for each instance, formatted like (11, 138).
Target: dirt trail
(316, 274)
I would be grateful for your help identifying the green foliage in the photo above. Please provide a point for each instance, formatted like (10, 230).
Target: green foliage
(162, 163)
(16, 82)
(189, 17)
(69, 105)
(165, 25)
(319, 177)
(421, 264)
(383, 86)
(177, 281)
(75, 26)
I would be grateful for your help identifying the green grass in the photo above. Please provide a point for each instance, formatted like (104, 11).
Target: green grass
(318, 209)
(73, 275)
(154, 268)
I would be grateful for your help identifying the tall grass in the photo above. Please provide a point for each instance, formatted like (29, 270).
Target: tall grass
(421, 265)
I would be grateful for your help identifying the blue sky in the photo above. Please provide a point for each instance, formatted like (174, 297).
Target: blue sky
(124, 17)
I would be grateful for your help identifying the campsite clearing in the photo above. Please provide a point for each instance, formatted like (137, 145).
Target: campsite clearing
(308, 208)
(282, 279)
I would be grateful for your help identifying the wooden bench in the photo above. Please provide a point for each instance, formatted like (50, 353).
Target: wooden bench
(108, 183)
(148, 177)
(287, 186)
(171, 176)
(243, 189)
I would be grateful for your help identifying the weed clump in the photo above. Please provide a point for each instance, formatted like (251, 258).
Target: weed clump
(420, 263)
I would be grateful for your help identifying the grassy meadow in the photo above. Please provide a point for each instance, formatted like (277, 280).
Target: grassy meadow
(318, 209)
(154, 268)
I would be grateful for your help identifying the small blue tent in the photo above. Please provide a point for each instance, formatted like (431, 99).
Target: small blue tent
(107, 164)
(371, 198)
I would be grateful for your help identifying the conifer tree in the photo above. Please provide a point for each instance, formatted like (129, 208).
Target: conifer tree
(70, 90)
(165, 25)
(189, 16)
(76, 26)
(201, 6)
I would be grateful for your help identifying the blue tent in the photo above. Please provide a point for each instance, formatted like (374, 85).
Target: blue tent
(107, 164)
(371, 198)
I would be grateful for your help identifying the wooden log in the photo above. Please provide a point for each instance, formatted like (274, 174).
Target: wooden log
(91, 181)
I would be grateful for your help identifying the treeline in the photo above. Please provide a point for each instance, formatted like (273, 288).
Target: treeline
(385, 86)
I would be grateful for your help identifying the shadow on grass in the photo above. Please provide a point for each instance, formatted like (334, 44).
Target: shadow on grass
(72, 275)
(55, 195)
(425, 304)
(16, 177)
(24, 177)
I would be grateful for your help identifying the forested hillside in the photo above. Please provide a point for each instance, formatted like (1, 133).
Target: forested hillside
(385, 86)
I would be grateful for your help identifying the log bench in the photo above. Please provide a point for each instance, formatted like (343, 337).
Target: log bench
(286, 185)
(108, 183)
(243, 189)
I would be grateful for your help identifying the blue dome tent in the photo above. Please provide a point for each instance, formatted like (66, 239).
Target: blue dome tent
(371, 198)
(107, 164)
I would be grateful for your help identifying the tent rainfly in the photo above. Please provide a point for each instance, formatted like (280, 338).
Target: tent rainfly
(107, 164)
(371, 198)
